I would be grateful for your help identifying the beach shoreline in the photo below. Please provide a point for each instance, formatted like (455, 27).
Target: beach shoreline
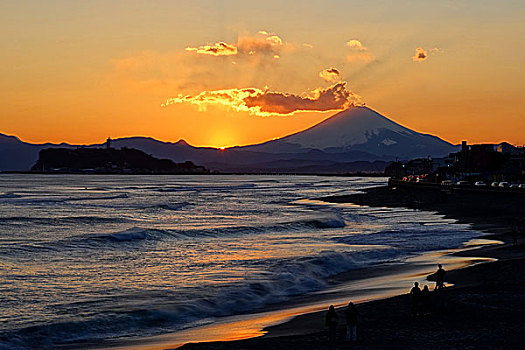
(483, 310)
(361, 285)
(303, 328)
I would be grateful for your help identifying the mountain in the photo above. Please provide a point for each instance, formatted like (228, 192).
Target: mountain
(360, 129)
(18, 155)
(357, 139)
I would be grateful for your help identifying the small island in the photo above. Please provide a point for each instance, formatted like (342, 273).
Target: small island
(109, 161)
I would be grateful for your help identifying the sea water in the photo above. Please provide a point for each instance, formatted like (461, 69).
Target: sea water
(88, 258)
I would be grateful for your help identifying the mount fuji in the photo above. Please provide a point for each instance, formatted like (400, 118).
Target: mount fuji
(360, 129)
(357, 139)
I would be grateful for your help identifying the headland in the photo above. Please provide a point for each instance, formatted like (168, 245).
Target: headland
(108, 161)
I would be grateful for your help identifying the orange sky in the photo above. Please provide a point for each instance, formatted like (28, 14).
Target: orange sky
(82, 71)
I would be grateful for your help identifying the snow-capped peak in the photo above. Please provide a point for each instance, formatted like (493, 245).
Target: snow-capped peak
(354, 126)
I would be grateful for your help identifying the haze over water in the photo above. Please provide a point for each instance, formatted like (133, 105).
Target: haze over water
(91, 258)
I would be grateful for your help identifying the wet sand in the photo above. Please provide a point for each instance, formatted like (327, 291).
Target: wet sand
(484, 309)
(362, 285)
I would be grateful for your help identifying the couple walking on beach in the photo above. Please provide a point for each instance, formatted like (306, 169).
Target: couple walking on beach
(420, 300)
(332, 320)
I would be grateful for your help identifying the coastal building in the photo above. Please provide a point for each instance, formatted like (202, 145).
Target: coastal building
(507, 148)
(417, 166)
(443, 162)
(478, 162)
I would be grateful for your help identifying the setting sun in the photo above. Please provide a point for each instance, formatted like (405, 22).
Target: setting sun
(439, 76)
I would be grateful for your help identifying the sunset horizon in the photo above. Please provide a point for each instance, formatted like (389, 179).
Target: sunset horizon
(327, 116)
(252, 74)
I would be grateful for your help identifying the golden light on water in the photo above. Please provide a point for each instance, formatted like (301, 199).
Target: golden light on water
(371, 288)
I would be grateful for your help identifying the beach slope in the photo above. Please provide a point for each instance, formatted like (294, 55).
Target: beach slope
(484, 309)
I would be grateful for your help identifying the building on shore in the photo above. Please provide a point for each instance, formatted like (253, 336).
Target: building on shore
(479, 162)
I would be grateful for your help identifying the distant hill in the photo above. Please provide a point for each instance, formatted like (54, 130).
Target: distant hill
(18, 155)
(357, 139)
(109, 161)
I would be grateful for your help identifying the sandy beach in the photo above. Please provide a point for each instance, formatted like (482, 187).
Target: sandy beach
(482, 308)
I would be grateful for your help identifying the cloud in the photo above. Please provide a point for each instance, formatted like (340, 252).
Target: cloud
(355, 44)
(420, 55)
(330, 75)
(358, 52)
(270, 103)
(336, 97)
(219, 49)
(264, 43)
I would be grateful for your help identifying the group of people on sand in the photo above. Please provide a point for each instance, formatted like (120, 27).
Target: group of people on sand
(421, 305)
(420, 300)
(332, 320)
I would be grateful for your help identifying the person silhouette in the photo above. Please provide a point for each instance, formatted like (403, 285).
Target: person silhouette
(440, 277)
(331, 321)
(515, 230)
(415, 292)
(425, 301)
(351, 322)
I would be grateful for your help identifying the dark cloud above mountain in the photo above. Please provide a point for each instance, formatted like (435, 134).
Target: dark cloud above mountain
(266, 103)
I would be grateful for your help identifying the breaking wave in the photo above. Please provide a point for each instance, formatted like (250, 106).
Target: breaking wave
(61, 221)
(214, 189)
(169, 206)
(283, 280)
(140, 234)
(12, 198)
(9, 195)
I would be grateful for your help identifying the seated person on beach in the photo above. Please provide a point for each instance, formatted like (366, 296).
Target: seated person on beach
(331, 321)
(415, 292)
(351, 322)
(440, 277)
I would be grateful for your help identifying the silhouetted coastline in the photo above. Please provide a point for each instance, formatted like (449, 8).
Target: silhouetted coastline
(454, 201)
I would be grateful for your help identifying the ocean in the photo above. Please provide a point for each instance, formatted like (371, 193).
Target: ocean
(91, 258)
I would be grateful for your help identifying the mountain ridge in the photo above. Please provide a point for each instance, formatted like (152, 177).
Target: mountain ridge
(354, 135)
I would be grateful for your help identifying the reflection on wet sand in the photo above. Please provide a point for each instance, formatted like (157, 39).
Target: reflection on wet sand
(382, 282)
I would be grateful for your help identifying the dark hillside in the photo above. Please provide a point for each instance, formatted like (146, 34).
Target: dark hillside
(108, 160)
